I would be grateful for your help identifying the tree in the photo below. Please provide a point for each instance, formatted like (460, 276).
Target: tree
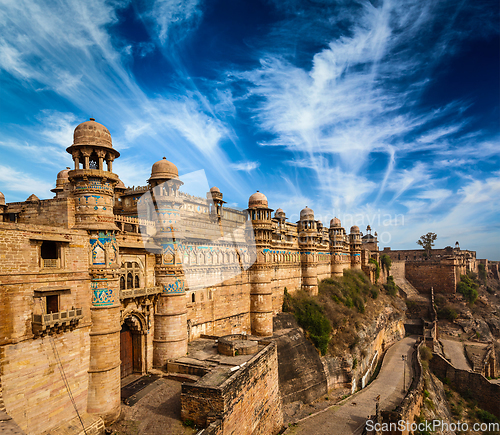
(427, 242)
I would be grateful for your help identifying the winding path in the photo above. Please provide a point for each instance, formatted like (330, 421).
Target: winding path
(350, 417)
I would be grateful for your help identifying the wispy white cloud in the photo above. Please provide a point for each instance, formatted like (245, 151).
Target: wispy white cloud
(22, 182)
(245, 166)
(174, 17)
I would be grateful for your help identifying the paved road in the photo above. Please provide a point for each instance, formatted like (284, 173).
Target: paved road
(350, 417)
(454, 352)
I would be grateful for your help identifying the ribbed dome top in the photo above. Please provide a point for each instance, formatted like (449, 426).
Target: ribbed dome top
(2, 199)
(92, 133)
(354, 229)
(335, 222)
(163, 169)
(257, 200)
(307, 214)
(215, 189)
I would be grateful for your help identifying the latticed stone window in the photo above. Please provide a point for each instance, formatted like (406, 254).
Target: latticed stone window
(132, 276)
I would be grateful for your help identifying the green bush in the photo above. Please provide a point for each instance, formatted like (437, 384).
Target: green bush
(447, 313)
(468, 287)
(287, 302)
(425, 353)
(377, 268)
(486, 417)
(374, 293)
(386, 262)
(391, 286)
(310, 316)
(351, 289)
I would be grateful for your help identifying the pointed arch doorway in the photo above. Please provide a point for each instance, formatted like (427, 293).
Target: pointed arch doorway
(132, 346)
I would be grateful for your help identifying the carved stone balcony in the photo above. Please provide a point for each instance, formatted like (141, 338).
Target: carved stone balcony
(56, 322)
(137, 292)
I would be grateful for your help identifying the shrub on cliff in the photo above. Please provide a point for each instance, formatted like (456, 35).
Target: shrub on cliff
(391, 286)
(351, 289)
(386, 262)
(377, 268)
(310, 317)
(468, 287)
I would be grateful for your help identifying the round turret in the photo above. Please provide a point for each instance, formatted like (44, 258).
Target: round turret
(257, 200)
(335, 222)
(164, 170)
(215, 190)
(92, 133)
(2, 199)
(306, 214)
(280, 214)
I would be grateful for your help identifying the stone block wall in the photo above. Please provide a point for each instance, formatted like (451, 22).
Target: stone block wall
(424, 275)
(248, 403)
(34, 392)
(485, 392)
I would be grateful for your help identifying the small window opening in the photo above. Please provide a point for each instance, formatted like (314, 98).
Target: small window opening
(94, 161)
(52, 304)
(193, 298)
(49, 250)
(122, 283)
(129, 280)
(136, 284)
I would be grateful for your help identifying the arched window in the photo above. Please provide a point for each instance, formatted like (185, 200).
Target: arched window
(122, 283)
(136, 282)
(129, 280)
(94, 161)
(193, 298)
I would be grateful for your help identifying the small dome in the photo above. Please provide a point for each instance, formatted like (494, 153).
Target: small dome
(257, 200)
(2, 199)
(354, 229)
(62, 179)
(64, 174)
(120, 185)
(92, 133)
(279, 213)
(215, 189)
(335, 222)
(164, 170)
(306, 214)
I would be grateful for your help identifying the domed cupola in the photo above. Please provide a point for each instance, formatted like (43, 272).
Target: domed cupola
(260, 215)
(2, 199)
(92, 146)
(162, 171)
(306, 214)
(91, 182)
(257, 200)
(62, 183)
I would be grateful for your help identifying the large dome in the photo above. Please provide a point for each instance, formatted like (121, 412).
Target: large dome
(2, 199)
(164, 170)
(92, 133)
(306, 214)
(257, 200)
(335, 222)
(354, 229)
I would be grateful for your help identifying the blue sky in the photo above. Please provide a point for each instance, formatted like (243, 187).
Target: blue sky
(383, 113)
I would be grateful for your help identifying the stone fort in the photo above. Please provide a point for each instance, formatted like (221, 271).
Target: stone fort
(121, 284)
(105, 280)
